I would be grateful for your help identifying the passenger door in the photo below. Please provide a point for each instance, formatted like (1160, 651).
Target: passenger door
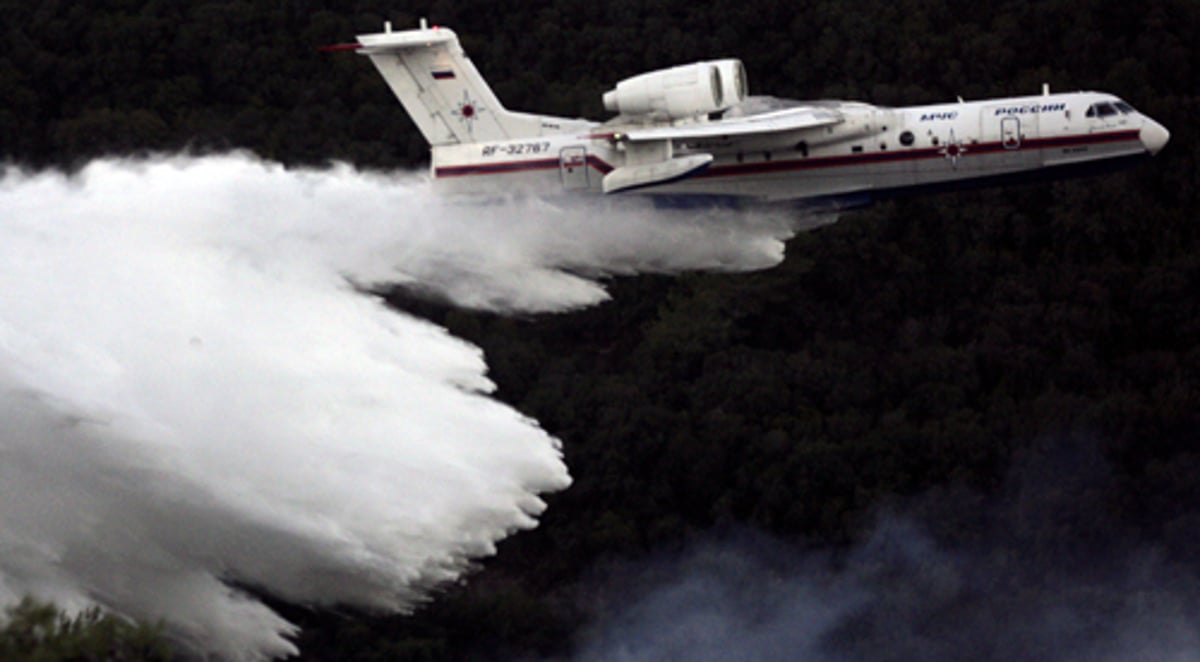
(1007, 136)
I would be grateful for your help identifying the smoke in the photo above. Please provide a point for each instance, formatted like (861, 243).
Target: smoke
(738, 596)
(196, 393)
(1041, 572)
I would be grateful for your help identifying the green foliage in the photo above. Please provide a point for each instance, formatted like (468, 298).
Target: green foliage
(35, 631)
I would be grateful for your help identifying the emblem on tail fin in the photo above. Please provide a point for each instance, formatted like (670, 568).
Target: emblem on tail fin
(468, 111)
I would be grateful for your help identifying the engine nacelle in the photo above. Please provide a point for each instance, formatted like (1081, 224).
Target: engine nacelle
(684, 91)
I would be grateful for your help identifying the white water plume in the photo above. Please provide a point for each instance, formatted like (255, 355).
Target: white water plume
(193, 391)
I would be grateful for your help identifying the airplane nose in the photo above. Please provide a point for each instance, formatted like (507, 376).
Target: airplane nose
(1154, 136)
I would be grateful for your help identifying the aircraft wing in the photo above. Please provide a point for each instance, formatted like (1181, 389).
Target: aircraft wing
(672, 169)
(779, 121)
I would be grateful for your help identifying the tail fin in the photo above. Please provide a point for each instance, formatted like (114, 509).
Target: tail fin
(441, 90)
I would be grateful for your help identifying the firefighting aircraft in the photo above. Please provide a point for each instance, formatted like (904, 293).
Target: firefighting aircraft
(692, 132)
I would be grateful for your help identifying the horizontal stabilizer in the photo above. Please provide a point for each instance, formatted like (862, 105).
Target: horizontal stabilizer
(406, 40)
(780, 121)
(630, 177)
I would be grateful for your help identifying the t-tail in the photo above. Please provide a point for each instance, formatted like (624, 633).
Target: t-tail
(442, 90)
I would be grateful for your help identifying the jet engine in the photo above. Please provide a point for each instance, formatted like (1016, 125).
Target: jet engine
(679, 92)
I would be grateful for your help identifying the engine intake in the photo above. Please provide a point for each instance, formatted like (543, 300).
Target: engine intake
(684, 91)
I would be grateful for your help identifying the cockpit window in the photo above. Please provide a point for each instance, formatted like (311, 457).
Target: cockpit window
(1102, 110)
(1124, 107)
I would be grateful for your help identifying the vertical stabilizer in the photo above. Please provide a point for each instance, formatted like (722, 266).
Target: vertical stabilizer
(441, 90)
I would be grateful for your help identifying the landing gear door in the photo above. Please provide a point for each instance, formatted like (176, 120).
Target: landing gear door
(1010, 132)
(572, 167)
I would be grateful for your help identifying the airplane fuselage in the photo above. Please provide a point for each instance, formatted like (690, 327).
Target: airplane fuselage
(873, 152)
(691, 132)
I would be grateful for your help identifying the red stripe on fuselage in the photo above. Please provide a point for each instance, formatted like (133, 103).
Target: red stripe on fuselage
(495, 168)
(967, 149)
(506, 167)
(813, 163)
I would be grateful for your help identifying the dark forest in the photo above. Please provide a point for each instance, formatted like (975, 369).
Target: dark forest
(982, 409)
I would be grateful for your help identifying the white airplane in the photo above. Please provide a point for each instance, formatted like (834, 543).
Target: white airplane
(692, 132)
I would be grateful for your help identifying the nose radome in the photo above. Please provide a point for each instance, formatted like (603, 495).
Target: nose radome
(1154, 136)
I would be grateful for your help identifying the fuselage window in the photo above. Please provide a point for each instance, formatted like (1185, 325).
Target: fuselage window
(907, 138)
